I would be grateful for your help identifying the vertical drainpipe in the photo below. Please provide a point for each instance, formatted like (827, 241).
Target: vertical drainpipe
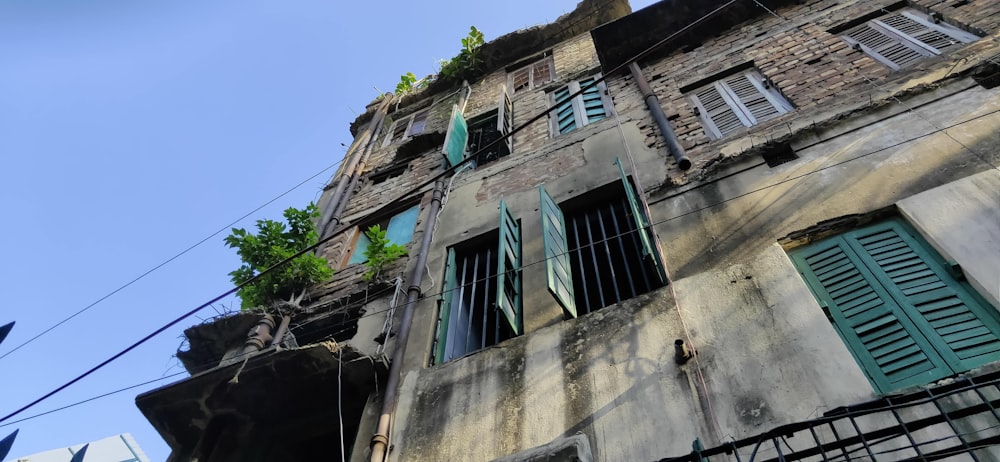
(354, 178)
(380, 440)
(350, 171)
(653, 103)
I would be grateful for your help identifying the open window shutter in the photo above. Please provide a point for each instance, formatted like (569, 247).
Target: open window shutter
(558, 272)
(958, 323)
(457, 137)
(886, 47)
(888, 346)
(716, 113)
(641, 224)
(509, 269)
(505, 119)
(444, 310)
(754, 100)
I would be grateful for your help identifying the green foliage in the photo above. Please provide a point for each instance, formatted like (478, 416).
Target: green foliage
(273, 243)
(467, 62)
(380, 252)
(406, 82)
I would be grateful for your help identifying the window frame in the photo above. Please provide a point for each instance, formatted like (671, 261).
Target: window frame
(898, 37)
(423, 114)
(908, 294)
(561, 275)
(388, 221)
(508, 303)
(533, 80)
(580, 117)
(737, 104)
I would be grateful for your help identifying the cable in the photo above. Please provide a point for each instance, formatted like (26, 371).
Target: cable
(164, 263)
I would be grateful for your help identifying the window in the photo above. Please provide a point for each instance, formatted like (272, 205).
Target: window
(737, 101)
(406, 127)
(599, 252)
(531, 76)
(905, 37)
(490, 127)
(480, 302)
(571, 113)
(399, 230)
(906, 319)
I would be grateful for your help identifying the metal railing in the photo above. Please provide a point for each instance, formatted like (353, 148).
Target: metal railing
(957, 421)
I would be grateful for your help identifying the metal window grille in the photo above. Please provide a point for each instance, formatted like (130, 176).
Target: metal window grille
(474, 322)
(959, 421)
(482, 132)
(606, 255)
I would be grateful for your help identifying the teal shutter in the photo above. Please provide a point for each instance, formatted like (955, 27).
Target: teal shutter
(509, 269)
(444, 309)
(358, 256)
(642, 224)
(593, 102)
(558, 273)
(959, 323)
(457, 137)
(565, 117)
(400, 227)
(904, 318)
(505, 119)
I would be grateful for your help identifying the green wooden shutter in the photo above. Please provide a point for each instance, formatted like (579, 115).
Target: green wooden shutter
(457, 137)
(890, 349)
(593, 102)
(642, 225)
(564, 120)
(444, 309)
(505, 119)
(558, 273)
(963, 329)
(509, 269)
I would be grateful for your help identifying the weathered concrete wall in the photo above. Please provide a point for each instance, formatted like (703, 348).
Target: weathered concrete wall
(969, 233)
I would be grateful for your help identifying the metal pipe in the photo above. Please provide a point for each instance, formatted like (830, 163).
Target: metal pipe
(357, 150)
(380, 440)
(259, 335)
(653, 103)
(354, 176)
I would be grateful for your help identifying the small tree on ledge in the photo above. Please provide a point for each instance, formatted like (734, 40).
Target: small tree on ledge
(380, 252)
(273, 243)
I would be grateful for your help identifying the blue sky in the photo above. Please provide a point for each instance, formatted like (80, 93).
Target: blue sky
(132, 130)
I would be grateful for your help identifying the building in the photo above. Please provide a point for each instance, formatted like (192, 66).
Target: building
(770, 231)
(118, 448)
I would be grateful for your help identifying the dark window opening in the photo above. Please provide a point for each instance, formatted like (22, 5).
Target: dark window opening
(391, 171)
(778, 154)
(606, 252)
(483, 131)
(473, 320)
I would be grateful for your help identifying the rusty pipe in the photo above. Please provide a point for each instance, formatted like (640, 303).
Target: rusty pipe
(279, 334)
(259, 335)
(380, 440)
(653, 103)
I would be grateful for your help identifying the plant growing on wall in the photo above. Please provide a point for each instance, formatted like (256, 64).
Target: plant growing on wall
(406, 83)
(274, 242)
(467, 62)
(380, 252)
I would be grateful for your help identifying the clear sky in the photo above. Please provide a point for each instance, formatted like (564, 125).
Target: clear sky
(130, 131)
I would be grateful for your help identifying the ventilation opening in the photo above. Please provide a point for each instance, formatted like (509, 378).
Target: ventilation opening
(987, 74)
(778, 154)
(391, 171)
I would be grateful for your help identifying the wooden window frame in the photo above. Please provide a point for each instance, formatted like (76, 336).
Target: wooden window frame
(580, 117)
(386, 223)
(736, 104)
(534, 80)
(887, 31)
(422, 114)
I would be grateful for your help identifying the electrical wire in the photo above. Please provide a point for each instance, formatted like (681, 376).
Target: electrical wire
(169, 260)
(450, 170)
(438, 294)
